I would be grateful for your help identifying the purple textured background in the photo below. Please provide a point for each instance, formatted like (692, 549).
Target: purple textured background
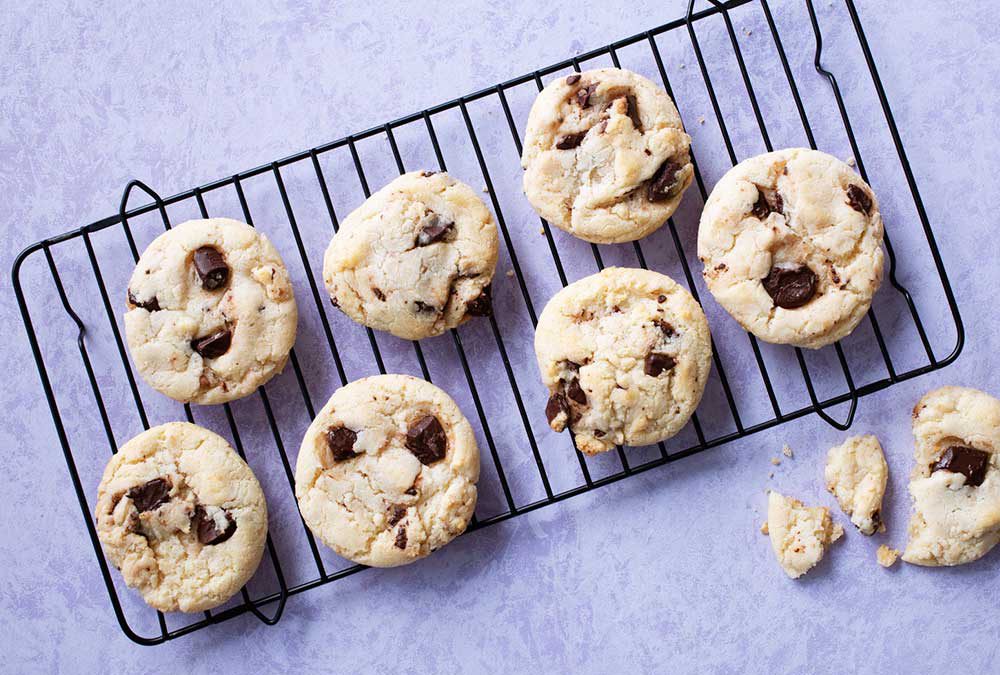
(662, 569)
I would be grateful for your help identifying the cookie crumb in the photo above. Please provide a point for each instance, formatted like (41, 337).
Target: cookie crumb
(850, 161)
(542, 231)
(747, 31)
(787, 451)
(701, 119)
(763, 528)
(486, 189)
(775, 461)
(770, 475)
(510, 274)
(886, 556)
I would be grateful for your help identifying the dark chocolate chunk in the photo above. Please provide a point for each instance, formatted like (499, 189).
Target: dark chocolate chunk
(557, 404)
(481, 305)
(396, 513)
(768, 202)
(211, 268)
(423, 306)
(378, 293)
(208, 530)
(664, 184)
(425, 174)
(333, 301)
(426, 440)
(412, 491)
(433, 228)
(968, 461)
(665, 328)
(151, 305)
(570, 141)
(661, 298)
(859, 200)
(575, 391)
(633, 112)
(150, 495)
(598, 433)
(401, 538)
(341, 440)
(656, 363)
(790, 287)
(214, 345)
(571, 365)
(877, 520)
(573, 79)
(584, 93)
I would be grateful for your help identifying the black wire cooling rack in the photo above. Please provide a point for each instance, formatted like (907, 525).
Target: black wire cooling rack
(750, 390)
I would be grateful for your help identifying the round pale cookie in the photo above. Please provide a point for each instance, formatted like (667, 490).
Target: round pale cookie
(387, 471)
(955, 484)
(182, 516)
(605, 156)
(211, 312)
(416, 259)
(792, 246)
(625, 355)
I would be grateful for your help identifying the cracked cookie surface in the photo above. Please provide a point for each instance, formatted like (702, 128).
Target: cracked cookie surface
(387, 471)
(856, 474)
(211, 313)
(416, 258)
(182, 516)
(800, 534)
(605, 155)
(955, 485)
(625, 355)
(791, 242)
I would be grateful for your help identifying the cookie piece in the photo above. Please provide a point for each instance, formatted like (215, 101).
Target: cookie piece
(387, 471)
(799, 534)
(856, 474)
(625, 355)
(955, 484)
(211, 312)
(605, 156)
(885, 556)
(416, 259)
(791, 242)
(182, 516)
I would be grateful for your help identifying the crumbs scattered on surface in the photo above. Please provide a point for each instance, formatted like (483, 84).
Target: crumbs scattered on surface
(787, 451)
(510, 273)
(775, 461)
(763, 528)
(886, 556)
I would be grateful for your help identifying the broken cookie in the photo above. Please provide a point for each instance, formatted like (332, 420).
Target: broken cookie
(799, 534)
(856, 474)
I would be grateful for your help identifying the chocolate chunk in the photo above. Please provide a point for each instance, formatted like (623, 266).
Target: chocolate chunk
(211, 268)
(425, 174)
(426, 440)
(967, 461)
(341, 440)
(557, 404)
(433, 228)
(768, 202)
(572, 79)
(790, 288)
(423, 306)
(571, 365)
(598, 433)
(412, 491)
(877, 520)
(481, 305)
(333, 301)
(378, 293)
(208, 530)
(575, 391)
(151, 305)
(570, 141)
(859, 200)
(150, 495)
(665, 328)
(401, 538)
(214, 345)
(632, 109)
(664, 184)
(661, 298)
(656, 363)
(584, 93)
(396, 513)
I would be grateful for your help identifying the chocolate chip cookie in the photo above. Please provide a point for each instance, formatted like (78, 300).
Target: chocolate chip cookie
(211, 314)
(416, 259)
(625, 355)
(182, 516)
(387, 471)
(955, 484)
(791, 242)
(605, 155)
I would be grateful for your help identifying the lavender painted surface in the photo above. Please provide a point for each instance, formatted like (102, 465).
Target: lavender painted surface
(665, 569)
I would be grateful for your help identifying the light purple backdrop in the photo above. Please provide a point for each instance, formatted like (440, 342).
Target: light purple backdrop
(665, 569)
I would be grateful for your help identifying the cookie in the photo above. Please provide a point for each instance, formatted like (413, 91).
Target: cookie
(791, 242)
(800, 535)
(211, 314)
(387, 471)
(856, 474)
(605, 156)
(182, 516)
(625, 355)
(416, 259)
(955, 484)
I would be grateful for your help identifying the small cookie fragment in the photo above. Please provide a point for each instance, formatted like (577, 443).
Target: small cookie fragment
(955, 484)
(856, 474)
(799, 534)
(786, 450)
(886, 556)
